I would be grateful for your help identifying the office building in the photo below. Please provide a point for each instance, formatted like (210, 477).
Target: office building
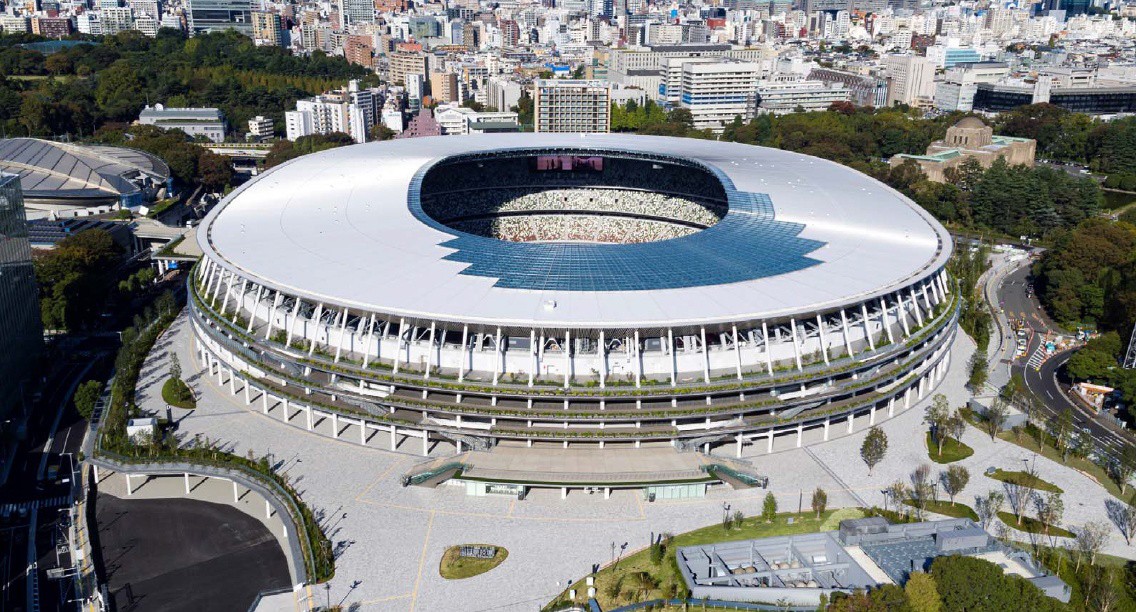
(788, 95)
(22, 340)
(571, 106)
(210, 15)
(910, 77)
(719, 91)
(268, 29)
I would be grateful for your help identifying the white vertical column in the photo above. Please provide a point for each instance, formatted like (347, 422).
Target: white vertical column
(737, 352)
(279, 297)
(867, 327)
(705, 355)
(567, 357)
(317, 322)
(465, 353)
(915, 307)
(673, 356)
(768, 348)
(532, 355)
(292, 322)
(603, 359)
(823, 341)
(228, 292)
(638, 360)
(901, 315)
(398, 343)
(430, 353)
(497, 357)
(342, 334)
(884, 321)
(796, 345)
(370, 338)
(255, 307)
(847, 335)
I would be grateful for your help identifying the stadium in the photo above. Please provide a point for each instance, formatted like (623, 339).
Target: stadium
(553, 291)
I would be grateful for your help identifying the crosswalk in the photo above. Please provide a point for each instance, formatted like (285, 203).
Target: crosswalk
(51, 502)
(1037, 358)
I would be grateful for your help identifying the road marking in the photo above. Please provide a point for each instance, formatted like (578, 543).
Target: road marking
(422, 561)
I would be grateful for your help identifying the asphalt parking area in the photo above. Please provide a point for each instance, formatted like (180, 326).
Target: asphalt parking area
(179, 554)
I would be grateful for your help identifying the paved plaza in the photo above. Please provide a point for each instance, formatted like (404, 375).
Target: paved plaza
(390, 539)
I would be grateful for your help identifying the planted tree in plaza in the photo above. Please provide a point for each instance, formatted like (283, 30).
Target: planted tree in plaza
(1061, 429)
(954, 480)
(938, 413)
(739, 516)
(1050, 508)
(769, 507)
(874, 448)
(897, 492)
(1124, 468)
(988, 507)
(174, 391)
(921, 490)
(820, 501)
(995, 417)
(175, 367)
(1091, 538)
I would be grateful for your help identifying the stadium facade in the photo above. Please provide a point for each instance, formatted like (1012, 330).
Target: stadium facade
(556, 289)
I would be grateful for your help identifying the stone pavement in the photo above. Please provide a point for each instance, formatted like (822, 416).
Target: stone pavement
(390, 539)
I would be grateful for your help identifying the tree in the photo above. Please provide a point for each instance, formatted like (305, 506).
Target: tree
(175, 367)
(896, 492)
(769, 507)
(1062, 432)
(988, 507)
(921, 490)
(820, 501)
(995, 417)
(1091, 538)
(874, 448)
(969, 583)
(1050, 508)
(922, 594)
(978, 373)
(1020, 493)
(954, 480)
(1124, 468)
(86, 397)
(938, 413)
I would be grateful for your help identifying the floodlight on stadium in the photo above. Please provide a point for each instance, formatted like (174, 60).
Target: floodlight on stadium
(574, 289)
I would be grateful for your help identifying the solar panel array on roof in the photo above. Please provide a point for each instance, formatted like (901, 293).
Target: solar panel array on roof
(759, 246)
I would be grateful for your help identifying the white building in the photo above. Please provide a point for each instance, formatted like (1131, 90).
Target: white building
(459, 120)
(716, 93)
(911, 77)
(350, 111)
(562, 105)
(780, 96)
(261, 127)
(117, 20)
(206, 122)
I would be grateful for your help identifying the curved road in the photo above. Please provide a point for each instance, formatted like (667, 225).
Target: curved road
(1016, 301)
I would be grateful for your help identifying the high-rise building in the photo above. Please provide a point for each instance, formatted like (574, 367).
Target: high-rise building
(211, 15)
(561, 105)
(350, 111)
(444, 87)
(359, 11)
(49, 27)
(22, 339)
(117, 20)
(403, 63)
(717, 92)
(267, 29)
(911, 77)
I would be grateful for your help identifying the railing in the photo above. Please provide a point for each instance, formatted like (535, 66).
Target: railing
(753, 480)
(411, 479)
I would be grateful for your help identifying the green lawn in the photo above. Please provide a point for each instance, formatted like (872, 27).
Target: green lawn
(455, 567)
(1086, 467)
(618, 585)
(176, 393)
(1032, 525)
(945, 508)
(1025, 480)
(953, 450)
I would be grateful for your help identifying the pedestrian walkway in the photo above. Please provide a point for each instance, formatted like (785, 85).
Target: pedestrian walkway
(35, 504)
(1037, 358)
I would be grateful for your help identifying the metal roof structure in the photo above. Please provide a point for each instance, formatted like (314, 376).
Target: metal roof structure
(59, 171)
(801, 235)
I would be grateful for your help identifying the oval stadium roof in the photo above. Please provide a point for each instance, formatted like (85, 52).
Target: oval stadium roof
(802, 235)
(58, 171)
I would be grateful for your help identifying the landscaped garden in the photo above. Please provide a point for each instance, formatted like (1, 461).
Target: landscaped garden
(1025, 479)
(946, 508)
(953, 450)
(1032, 525)
(455, 565)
